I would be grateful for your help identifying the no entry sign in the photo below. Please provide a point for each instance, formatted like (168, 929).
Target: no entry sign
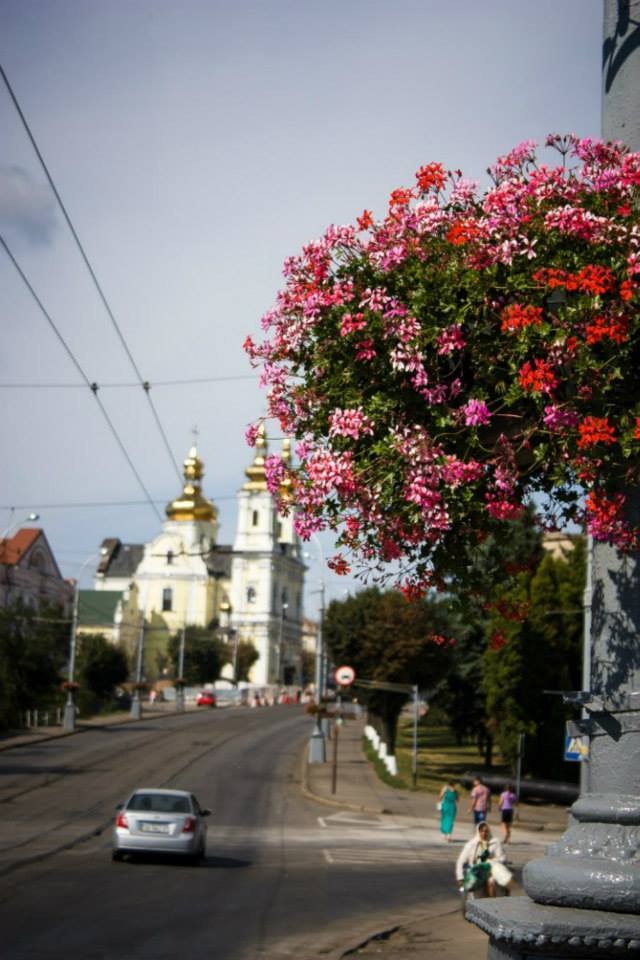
(344, 676)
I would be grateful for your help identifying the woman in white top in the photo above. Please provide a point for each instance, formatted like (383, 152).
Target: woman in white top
(483, 849)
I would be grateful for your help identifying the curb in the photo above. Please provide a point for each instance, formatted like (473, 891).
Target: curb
(307, 792)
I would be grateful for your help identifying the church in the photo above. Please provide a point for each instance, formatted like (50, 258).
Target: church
(250, 591)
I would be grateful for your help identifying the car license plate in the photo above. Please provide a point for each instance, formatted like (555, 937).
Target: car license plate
(155, 827)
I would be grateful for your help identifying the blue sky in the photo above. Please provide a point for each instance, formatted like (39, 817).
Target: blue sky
(196, 144)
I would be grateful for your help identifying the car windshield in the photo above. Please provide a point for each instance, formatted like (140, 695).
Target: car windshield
(159, 803)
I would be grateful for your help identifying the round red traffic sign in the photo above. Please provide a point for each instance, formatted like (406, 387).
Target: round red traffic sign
(344, 676)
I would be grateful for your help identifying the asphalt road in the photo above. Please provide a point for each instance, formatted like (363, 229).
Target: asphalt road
(283, 877)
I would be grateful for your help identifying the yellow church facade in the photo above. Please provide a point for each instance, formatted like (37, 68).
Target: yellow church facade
(249, 591)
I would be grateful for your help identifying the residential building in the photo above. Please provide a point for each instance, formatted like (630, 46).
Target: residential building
(29, 572)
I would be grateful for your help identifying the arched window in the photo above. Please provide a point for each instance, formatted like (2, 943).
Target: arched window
(255, 518)
(251, 594)
(169, 557)
(167, 599)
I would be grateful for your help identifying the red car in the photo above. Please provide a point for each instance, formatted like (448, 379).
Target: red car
(206, 698)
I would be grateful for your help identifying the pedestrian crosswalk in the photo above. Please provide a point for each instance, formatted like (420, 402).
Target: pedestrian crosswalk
(385, 855)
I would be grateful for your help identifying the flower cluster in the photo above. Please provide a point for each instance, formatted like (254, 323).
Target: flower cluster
(466, 352)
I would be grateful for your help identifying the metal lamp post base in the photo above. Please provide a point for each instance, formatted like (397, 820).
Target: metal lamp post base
(520, 929)
(136, 708)
(317, 747)
(69, 717)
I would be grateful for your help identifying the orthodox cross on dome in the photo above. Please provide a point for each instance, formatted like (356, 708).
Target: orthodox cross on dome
(195, 433)
(255, 473)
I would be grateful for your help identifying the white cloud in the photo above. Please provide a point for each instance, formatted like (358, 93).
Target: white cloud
(26, 206)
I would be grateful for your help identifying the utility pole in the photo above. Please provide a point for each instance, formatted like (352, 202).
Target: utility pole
(136, 703)
(180, 686)
(69, 717)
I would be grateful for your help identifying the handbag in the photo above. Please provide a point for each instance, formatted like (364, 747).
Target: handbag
(439, 805)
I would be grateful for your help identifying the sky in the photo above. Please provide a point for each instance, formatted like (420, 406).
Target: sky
(196, 144)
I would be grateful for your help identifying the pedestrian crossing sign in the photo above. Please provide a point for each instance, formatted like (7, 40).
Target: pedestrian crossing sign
(576, 748)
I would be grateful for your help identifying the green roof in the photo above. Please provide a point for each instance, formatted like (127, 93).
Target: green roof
(97, 607)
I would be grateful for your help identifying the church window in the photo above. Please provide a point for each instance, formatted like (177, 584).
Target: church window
(167, 599)
(254, 518)
(169, 557)
(251, 594)
(279, 530)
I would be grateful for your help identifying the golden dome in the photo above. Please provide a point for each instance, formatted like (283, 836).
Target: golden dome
(191, 504)
(257, 481)
(286, 487)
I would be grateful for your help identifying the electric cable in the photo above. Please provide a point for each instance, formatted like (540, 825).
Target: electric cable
(143, 383)
(93, 387)
(109, 386)
(82, 504)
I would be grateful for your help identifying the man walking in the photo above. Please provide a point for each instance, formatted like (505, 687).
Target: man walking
(480, 801)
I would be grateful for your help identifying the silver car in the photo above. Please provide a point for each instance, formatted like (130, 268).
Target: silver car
(160, 821)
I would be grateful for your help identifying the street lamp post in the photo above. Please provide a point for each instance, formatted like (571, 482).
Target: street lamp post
(283, 609)
(136, 703)
(317, 742)
(584, 895)
(30, 518)
(180, 685)
(69, 715)
(233, 635)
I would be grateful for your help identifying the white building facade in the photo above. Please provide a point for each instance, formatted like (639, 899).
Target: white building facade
(250, 592)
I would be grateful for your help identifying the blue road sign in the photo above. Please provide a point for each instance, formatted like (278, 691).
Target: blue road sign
(576, 748)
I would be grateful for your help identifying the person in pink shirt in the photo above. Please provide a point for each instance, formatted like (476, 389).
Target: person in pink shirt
(507, 804)
(480, 801)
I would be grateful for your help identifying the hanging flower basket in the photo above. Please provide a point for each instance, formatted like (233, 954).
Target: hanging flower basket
(469, 353)
(69, 686)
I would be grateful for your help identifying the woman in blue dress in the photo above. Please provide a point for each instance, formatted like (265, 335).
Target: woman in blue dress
(448, 806)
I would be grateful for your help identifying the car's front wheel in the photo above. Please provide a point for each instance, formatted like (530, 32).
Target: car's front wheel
(116, 856)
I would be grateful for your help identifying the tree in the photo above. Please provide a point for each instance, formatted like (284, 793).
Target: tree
(535, 644)
(516, 549)
(245, 655)
(101, 668)
(204, 655)
(33, 650)
(386, 638)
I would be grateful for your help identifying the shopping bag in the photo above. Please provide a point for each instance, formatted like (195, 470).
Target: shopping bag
(501, 874)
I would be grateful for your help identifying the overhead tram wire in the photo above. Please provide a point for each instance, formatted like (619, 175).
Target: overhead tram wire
(143, 383)
(90, 504)
(108, 386)
(93, 387)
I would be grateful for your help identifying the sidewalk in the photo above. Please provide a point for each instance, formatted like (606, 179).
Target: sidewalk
(26, 738)
(438, 931)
